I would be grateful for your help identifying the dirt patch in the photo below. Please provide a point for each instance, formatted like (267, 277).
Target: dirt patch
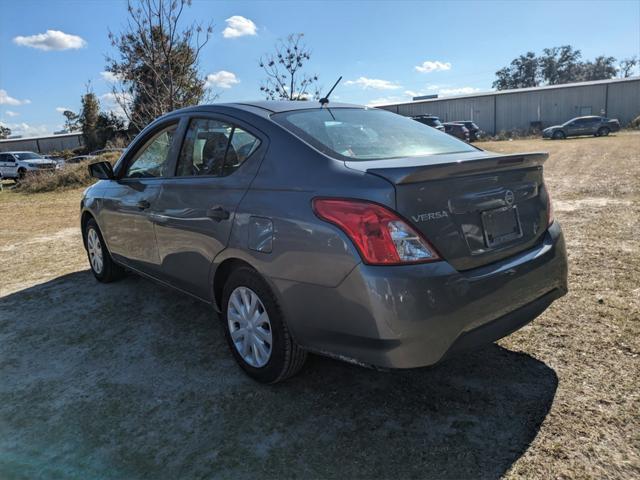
(130, 380)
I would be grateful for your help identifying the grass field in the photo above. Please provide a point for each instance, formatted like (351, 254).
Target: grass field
(130, 380)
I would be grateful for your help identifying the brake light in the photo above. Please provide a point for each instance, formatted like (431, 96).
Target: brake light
(550, 209)
(379, 234)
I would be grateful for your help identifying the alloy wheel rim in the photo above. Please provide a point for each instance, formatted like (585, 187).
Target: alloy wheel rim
(249, 327)
(94, 247)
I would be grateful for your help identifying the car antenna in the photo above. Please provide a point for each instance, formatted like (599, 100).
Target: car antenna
(325, 100)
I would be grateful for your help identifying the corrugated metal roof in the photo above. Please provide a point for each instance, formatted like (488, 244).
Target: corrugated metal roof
(515, 90)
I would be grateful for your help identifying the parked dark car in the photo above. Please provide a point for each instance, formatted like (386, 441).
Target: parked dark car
(592, 125)
(430, 120)
(343, 230)
(474, 130)
(457, 130)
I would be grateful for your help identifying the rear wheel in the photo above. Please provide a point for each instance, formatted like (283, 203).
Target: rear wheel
(558, 135)
(102, 265)
(256, 330)
(603, 132)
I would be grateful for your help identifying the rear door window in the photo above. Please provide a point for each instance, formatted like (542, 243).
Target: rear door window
(214, 148)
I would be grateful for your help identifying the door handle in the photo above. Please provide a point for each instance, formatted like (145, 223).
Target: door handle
(218, 214)
(143, 204)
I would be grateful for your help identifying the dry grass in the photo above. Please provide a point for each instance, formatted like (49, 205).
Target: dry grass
(71, 176)
(590, 339)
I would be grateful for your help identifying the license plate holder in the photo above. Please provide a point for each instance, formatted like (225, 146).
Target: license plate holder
(501, 225)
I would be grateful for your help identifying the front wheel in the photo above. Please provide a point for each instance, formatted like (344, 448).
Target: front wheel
(256, 330)
(558, 135)
(603, 132)
(102, 265)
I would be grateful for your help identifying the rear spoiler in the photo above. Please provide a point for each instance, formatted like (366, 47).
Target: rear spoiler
(470, 165)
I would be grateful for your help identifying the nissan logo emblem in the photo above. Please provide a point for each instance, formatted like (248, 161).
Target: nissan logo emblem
(509, 197)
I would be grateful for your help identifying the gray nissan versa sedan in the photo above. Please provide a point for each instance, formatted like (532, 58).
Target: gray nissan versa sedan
(342, 230)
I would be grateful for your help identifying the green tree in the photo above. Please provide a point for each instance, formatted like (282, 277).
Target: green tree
(108, 127)
(285, 78)
(89, 120)
(602, 68)
(157, 68)
(521, 73)
(5, 132)
(560, 65)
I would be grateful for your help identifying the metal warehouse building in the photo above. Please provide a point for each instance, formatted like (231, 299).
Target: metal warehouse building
(44, 144)
(535, 107)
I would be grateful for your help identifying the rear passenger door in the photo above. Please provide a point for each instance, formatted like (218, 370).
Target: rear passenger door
(195, 209)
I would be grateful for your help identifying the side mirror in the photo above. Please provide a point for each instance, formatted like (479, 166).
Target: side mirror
(101, 170)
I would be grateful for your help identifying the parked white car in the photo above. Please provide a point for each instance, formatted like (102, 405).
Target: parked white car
(16, 165)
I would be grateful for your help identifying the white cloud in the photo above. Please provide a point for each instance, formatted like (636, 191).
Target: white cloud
(11, 113)
(222, 79)
(5, 99)
(433, 66)
(238, 26)
(385, 100)
(51, 40)
(110, 77)
(445, 92)
(26, 130)
(375, 83)
(62, 109)
(111, 104)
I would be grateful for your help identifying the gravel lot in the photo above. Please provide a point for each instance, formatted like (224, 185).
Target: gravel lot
(131, 380)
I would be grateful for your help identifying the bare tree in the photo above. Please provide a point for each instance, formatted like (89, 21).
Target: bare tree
(626, 66)
(158, 66)
(285, 79)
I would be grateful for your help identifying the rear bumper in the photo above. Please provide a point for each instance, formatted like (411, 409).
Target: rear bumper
(416, 315)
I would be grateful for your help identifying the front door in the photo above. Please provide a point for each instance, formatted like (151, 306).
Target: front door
(127, 202)
(8, 165)
(195, 210)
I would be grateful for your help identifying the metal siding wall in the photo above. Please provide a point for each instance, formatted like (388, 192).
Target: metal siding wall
(56, 144)
(624, 101)
(47, 145)
(518, 110)
(18, 145)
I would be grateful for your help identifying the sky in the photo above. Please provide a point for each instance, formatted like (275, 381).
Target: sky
(385, 51)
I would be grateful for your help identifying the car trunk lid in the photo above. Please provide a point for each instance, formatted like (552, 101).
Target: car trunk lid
(475, 208)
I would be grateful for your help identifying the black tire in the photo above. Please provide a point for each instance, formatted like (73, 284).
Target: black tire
(559, 135)
(111, 271)
(287, 357)
(21, 174)
(603, 132)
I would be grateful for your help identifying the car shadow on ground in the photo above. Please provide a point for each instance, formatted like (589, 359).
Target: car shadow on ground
(131, 380)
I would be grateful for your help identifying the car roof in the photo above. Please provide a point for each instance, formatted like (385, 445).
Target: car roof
(21, 151)
(267, 107)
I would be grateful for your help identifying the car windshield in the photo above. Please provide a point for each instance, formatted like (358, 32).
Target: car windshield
(367, 134)
(28, 156)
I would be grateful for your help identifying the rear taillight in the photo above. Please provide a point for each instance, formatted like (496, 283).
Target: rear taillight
(550, 209)
(379, 234)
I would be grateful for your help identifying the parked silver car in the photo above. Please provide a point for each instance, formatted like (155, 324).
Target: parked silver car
(343, 230)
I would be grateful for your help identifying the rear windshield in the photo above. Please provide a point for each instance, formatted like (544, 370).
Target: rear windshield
(367, 134)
